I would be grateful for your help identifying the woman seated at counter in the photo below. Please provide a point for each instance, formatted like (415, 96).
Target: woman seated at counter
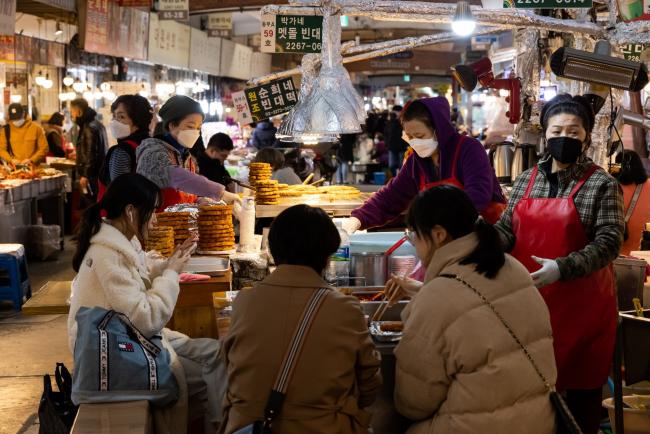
(337, 373)
(114, 273)
(458, 369)
(440, 156)
(166, 159)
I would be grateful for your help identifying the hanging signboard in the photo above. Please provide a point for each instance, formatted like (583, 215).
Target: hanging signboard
(262, 102)
(169, 43)
(632, 51)
(7, 17)
(178, 10)
(205, 52)
(135, 3)
(236, 60)
(292, 33)
(636, 10)
(220, 21)
(547, 4)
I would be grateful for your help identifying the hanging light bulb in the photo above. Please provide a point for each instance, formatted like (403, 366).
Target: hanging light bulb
(47, 83)
(67, 81)
(464, 22)
(105, 87)
(332, 106)
(58, 31)
(16, 98)
(63, 96)
(98, 94)
(39, 79)
(88, 96)
(109, 96)
(79, 86)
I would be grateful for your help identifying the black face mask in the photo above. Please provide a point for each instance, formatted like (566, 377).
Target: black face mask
(566, 150)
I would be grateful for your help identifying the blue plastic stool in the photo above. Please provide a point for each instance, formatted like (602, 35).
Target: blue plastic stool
(14, 279)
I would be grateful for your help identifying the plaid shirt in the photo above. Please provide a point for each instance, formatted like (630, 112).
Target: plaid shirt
(599, 204)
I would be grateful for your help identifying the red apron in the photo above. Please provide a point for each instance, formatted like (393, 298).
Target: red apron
(172, 196)
(583, 311)
(491, 214)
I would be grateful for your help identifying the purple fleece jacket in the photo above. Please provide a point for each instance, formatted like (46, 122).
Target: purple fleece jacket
(473, 171)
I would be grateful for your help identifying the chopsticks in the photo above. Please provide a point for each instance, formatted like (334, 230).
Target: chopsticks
(383, 307)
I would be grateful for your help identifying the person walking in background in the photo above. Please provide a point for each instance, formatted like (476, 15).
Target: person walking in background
(22, 141)
(345, 156)
(130, 125)
(636, 196)
(264, 135)
(458, 368)
(397, 146)
(54, 135)
(91, 147)
(212, 159)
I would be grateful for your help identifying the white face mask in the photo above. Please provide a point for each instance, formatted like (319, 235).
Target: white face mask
(18, 123)
(118, 129)
(423, 147)
(188, 138)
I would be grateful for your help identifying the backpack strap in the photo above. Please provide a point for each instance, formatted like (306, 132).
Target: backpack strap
(8, 139)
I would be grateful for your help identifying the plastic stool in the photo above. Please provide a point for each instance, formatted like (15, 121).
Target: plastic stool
(14, 264)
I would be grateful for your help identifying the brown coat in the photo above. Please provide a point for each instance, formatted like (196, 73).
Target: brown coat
(458, 369)
(338, 371)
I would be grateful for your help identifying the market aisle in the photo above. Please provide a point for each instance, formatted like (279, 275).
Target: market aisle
(31, 346)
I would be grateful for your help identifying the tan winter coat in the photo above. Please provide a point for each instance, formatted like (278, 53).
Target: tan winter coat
(458, 369)
(338, 371)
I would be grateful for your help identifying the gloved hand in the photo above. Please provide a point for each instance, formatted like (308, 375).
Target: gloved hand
(351, 225)
(230, 198)
(549, 273)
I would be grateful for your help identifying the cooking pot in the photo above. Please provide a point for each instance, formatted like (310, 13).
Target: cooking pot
(373, 266)
(503, 161)
(524, 158)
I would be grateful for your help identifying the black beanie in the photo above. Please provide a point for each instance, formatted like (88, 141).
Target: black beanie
(177, 107)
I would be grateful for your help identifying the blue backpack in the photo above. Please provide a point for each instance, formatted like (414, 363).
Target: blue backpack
(114, 362)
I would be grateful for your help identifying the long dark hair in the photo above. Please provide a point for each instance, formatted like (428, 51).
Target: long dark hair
(632, 170)
(127, 189)
(451, 208)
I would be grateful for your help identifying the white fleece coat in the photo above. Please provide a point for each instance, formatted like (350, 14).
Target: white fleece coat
(116, 274)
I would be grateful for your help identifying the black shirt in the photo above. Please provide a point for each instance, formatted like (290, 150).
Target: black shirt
(214, 170)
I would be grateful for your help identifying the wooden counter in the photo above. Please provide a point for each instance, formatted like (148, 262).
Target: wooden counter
(339, 208)
(194, 314)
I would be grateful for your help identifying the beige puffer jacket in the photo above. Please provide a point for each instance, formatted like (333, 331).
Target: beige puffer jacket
(458, 369)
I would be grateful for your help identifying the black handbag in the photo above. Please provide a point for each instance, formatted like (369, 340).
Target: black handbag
(565, 422)
(56, 412)
(276, 397)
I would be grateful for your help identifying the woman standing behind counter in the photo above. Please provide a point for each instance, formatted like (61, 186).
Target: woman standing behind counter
(166, 159)
(442, 156)
(566, 215)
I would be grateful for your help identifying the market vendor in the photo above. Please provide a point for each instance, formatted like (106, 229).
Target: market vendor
(565, 223)
(440, 156)
(166, 159)
(21, 140)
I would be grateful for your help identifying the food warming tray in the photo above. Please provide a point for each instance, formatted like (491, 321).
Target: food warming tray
(210, 265)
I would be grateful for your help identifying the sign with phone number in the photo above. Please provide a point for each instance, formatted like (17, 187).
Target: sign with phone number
(292, 33)
(547, 4)
(632, 52)
(262, 102)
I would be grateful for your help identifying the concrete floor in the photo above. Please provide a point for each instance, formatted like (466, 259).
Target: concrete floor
(30, 346)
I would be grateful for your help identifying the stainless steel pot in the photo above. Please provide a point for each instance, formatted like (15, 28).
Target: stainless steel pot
(525, 157)
(372, 266)
(503, 161)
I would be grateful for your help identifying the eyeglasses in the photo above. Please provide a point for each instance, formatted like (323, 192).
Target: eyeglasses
(410, 235)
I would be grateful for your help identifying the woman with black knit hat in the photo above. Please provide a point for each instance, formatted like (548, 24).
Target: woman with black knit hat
(166, 159)
(565, 223)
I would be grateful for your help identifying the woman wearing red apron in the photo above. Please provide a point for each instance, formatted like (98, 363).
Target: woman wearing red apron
(440, 156)
(565, 223)
(166, 159)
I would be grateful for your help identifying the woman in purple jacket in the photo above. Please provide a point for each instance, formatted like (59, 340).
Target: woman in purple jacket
(441, 156)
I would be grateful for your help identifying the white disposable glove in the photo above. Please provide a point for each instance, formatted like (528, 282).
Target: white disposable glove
(549, 273)
(351, 225)
(230, 198)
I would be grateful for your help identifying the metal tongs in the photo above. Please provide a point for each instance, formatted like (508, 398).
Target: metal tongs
(383, 307)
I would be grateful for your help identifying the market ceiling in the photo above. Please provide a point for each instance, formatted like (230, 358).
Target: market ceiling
(211, 5)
